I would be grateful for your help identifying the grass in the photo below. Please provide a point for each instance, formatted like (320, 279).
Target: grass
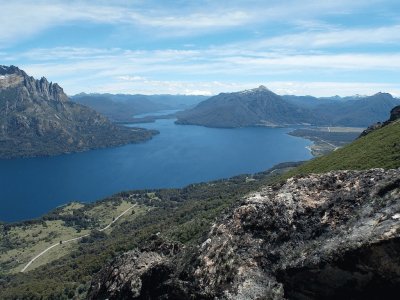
(105, 212)
(70, 207)
(30, 240)
(379, 149)
(27, 240)
(183, 215)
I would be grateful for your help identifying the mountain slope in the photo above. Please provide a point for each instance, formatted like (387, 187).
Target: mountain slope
(380, 148)
(122, 108)
(248, 108)
(119, 108)
(328, 236)
(360, 112)
(262, 107)
(316, 236)
(37, 118)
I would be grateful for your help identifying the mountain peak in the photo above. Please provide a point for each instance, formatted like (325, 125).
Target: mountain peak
(36, 118)
(262, 88)
(380, 94)
(30, 88)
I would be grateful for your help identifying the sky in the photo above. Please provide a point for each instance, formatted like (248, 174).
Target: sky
(307, 47)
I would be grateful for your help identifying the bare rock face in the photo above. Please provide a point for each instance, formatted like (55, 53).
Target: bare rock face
(136, 274)
(123, 279)
(37, 118)
(395, 114)
(329, 236)
(307, 227)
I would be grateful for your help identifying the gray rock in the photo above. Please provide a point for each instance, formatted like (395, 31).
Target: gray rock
(37, 118)
(329, 236)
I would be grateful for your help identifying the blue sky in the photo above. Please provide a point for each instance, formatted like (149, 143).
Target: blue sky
(322, 48)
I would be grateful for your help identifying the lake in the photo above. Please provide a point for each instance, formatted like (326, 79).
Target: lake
(179, 155)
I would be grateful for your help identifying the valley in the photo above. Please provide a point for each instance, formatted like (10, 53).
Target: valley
(199, 150)
(67, 223)
(176, 232)
(178, 156)
(327, 139)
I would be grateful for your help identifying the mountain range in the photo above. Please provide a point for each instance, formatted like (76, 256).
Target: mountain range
(123, 107)
(37, 118)
(261, 107)
(325, 229)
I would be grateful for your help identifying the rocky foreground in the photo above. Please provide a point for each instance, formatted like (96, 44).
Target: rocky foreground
(326, 236)
(37, 118)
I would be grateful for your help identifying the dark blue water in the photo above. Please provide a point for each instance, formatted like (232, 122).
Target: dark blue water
(179, 155)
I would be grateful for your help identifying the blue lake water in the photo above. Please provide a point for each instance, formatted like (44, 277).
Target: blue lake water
(178, 156)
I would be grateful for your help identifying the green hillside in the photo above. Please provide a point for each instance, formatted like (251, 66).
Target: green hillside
(379, 149)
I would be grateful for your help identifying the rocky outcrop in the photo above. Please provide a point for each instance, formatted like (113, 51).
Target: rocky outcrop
(37, 118)
(394, 116)
(329, 236)
(133, 275)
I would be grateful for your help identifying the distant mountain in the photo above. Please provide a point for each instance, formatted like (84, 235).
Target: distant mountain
(394, 116)
(122, 108)
(253, 107)
(303, 101)
(37, 118)
(359, 112)
(262, 107)
(119, 107)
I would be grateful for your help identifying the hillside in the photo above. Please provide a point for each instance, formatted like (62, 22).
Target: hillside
(37, 118)
(360, 112)
(122, 108)
(380, 148)
(248, 237)
(118, 108)
(261, 107)
(253, 107)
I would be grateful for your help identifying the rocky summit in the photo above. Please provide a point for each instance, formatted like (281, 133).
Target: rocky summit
(37, 118)
(329, 236)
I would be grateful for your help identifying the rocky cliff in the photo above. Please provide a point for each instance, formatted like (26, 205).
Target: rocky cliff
(329, 236)
(37, 118)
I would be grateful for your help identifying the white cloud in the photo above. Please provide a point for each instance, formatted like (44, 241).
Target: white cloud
(23, 18)
(81, 69)
(332, 37)
(321, 89)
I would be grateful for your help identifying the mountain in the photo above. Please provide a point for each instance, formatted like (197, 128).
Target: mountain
(262, 107)
(253, 107)
(314, 237)
(360, 112)
(122, 108)
(377, 147)
(119, 108)
(37, 118)
(333, 235)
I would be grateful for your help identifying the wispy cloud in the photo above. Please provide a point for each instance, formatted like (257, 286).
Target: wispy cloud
(203, 46)
(22, 18)
(328, 37)
(113, 70)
